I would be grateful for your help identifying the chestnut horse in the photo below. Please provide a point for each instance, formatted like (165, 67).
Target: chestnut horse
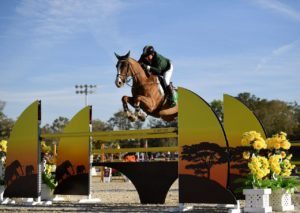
(146, 93)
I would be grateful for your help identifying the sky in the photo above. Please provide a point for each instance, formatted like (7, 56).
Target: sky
(216, 47)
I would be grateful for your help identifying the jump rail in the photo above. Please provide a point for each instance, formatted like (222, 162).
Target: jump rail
(119, 135)
(150, 149)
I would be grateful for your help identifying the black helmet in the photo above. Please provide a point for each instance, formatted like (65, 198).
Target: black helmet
(147, 50)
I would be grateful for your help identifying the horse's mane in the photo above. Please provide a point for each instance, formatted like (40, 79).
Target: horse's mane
(132, 59)
(135, 62)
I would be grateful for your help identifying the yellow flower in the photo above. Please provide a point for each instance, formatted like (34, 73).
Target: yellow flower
(259, 167)
(274, 161)
(273, 143)
(45, 148)
(276, 145)
(287, 168)
(282, 135)
(278, 141)
(48, 169)
(246, 155)
(283, 154)
(286, 174)
(244, 142)
(3, 145)
(277, 170)
(286, 144)
(258, 145)
(248, 138)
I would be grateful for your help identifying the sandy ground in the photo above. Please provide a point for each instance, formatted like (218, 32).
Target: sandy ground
(118, 196)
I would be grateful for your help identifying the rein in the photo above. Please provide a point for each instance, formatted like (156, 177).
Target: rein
(134, 75)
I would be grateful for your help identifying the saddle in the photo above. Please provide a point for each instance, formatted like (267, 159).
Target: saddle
(166, 90)
(170, 91)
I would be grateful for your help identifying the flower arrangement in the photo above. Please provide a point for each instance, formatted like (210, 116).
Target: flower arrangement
(3, 150)
(280, 163)
(273, 168)
(47, 177)
(254, 140)
(48, 164)
(258, 164)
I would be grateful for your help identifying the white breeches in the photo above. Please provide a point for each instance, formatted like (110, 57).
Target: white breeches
(168, 75)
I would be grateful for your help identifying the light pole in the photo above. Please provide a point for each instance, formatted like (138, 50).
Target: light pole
(85, 89)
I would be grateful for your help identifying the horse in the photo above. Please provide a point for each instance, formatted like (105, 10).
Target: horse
(146, 92)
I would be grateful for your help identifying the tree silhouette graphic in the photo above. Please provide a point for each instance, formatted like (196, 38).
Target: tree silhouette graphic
(237, 160)
(203, 157)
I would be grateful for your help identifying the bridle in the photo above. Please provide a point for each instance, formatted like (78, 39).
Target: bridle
(129, 71)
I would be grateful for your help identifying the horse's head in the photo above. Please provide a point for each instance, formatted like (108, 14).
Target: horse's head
(123, 69)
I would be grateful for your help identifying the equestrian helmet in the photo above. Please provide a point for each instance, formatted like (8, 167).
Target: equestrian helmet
(147, 50)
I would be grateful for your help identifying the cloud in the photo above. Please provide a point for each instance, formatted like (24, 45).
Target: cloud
(58, 20)
(276, 53)
(284, 48)
(279, 8)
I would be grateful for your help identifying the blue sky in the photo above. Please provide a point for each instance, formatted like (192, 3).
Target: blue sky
(46, 47)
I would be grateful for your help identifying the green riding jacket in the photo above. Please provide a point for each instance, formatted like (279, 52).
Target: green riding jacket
(159, 64)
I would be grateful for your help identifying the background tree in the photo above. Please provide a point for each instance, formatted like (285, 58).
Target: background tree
(119, 121)
(57, 125)
(251, 101)
(275, 115)
(6, 124)
(217, 106)
(99, 126)
(2, 105)
(296, 135)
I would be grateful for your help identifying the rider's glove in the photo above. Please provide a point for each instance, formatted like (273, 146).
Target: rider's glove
(148, 68)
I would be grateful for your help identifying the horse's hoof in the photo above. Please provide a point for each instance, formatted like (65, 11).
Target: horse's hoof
(142, 117)
(132, 118)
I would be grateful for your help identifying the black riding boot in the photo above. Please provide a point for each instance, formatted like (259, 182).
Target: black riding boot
(171, 95)
(168, 90)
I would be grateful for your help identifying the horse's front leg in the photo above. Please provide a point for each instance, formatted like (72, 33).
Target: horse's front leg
(125, 100)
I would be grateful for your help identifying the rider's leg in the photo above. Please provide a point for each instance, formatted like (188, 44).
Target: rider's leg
(163, 84)
(169, 88)
(168, 75)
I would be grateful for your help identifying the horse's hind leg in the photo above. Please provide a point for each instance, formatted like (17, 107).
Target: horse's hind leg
(125, 101)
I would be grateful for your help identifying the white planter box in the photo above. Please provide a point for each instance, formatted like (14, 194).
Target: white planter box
(47, 193)
(257, 200)
(2, 188)
(281, 200)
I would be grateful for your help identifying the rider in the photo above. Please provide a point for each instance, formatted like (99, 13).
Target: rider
(153, 62)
